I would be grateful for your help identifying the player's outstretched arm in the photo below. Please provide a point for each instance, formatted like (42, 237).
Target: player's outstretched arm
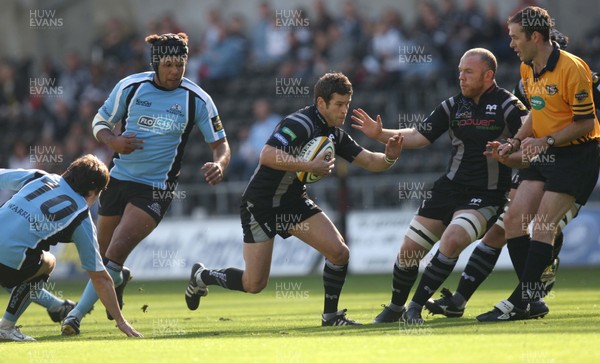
(215, 171)
(374, 161)
(373, 129)
(103, 284)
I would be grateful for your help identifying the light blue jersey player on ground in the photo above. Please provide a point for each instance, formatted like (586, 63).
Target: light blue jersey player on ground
(46, 210)
(157, 111)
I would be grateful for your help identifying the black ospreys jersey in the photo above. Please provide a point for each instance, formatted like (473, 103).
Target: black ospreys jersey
(471, 126)
(519, 91)
(270, 187)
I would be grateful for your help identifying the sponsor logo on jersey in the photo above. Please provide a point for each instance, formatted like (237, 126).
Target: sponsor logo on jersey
(289, 132)
(216, 123)
(537, 103)
(487, 124)
(158, 123)
(146, 121)
(139, 102)
(175, 109)
(463, 109)
(551, 89)
(581, 95)
(490, 109)
(281, 138)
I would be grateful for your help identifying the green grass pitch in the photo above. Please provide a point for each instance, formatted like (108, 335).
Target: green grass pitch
(282, 325)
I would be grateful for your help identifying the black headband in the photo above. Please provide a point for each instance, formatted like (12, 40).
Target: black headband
(168, 45)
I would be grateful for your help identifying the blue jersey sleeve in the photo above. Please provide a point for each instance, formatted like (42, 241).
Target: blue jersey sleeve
(15, 179)
(207, 119)
(114, 108)
(86, 242)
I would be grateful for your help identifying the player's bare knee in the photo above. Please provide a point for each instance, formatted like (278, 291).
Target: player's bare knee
(254, 287)
(514, 222)
(340, 255)
(452, 246)
(48, 263)
(495, 237)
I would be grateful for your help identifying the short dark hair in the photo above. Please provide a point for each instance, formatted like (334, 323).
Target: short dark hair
(486, 56)
(86, 174)
(559, 38)
(331, 83)
(533, 19)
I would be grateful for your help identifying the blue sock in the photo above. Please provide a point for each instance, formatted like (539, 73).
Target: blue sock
(86, 302)
(46, 299)
(89, 296)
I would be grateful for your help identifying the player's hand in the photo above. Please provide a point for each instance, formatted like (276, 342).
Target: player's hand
(532, 147)
(492, 150)
(393, 148)
(320, 166)
(130, 331)
(125, 144)
(364, 122)
(213, 173)
(502, 149)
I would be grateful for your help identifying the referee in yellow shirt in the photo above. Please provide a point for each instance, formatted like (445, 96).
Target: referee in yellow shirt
(559, 142)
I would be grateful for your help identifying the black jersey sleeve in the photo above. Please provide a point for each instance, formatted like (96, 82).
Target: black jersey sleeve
(519, 92)
(291, 134)
(513, 110)
(437, 122)
(345, 146)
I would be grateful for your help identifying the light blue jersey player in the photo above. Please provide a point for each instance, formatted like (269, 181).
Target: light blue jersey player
(157, 111)
(44, 212)
(48, 209)
(162, 119)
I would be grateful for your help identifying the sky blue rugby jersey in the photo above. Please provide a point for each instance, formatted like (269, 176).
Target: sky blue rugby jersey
(163, 119)
(43, 212)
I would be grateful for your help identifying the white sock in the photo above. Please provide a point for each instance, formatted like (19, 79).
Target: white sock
(6, 324)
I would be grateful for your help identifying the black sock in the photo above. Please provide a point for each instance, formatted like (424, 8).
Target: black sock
(229, 278)
(480, 266)
(530, 288)
(334, 277)
(518, 248)
(403, 280)
(436, 272)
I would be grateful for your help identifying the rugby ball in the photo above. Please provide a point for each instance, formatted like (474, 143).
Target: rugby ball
(311, 150)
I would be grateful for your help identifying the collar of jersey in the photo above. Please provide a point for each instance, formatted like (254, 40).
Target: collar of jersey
(552, 61)
(485, 93)
(320, 117)
(162, 88)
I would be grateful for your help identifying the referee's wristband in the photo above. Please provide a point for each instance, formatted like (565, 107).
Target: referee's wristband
(388, 160)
